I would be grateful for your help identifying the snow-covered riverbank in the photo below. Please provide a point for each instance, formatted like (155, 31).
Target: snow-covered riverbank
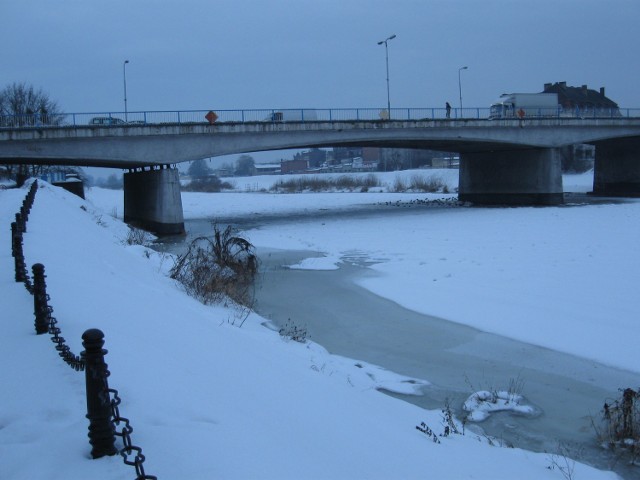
(559, 277)
(206, 398)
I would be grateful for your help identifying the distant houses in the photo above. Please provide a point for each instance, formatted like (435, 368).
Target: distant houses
(577, 100)
(581, 98)
(584, 101)
(365, 159)
(267, 168)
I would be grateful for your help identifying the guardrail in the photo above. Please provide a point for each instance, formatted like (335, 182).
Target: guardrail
(119, 119)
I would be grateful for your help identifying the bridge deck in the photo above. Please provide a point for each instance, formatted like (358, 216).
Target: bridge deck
(140, 144)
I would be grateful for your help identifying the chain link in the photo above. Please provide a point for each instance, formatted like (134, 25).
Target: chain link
(18, 228)
(124, 429)
(74, 361)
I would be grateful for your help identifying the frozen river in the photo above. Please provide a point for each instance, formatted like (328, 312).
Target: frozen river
(348, 320)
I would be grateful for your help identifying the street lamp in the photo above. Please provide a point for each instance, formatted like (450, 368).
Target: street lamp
(460, 87)
(124, 74)
(386, 50)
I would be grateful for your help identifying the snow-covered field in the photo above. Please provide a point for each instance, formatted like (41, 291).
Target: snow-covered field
(208, 399)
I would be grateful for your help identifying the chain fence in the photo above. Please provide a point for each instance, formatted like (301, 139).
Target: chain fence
(18, 229)
(103, 403)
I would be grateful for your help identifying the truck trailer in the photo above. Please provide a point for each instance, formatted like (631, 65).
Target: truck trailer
(518, 105)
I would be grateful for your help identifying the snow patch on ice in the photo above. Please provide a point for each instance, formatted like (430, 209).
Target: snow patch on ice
(483, 403)
(317, 263)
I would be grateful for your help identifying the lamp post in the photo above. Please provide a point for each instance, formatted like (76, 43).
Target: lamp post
(386, 51)
(124, 74)
(460, 87)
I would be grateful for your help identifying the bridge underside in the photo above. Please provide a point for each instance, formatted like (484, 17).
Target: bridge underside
(521, 177)
(617, 168)
(502, 163)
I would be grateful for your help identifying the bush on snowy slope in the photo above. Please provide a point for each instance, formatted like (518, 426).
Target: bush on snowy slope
(214, 269)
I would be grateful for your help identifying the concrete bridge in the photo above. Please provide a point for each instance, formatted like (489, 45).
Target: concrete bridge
(502, 161)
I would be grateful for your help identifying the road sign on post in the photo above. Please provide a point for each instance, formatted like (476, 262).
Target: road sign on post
(211, 117)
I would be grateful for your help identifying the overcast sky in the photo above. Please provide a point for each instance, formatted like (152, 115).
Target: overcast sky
(243, 54)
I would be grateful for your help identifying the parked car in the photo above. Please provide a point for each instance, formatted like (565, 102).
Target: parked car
(106, 121)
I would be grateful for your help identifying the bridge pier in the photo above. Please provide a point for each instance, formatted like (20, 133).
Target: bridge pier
(152, 200)
(516, 177)
(616, 171)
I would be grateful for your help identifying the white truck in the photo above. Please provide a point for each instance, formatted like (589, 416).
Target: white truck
(522, 105)
(293, 115)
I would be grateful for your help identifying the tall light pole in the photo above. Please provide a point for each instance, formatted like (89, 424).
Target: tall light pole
(460, 87)
(124, 74)
(386, 51)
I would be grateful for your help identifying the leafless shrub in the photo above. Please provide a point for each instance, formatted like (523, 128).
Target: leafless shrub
(620, 424)
(213, 269)
(431, 184)
(319, 184)
(451, 426)
(399, 185)
(563, 462)
(291, 331)
(419, 183)
(210, 184)
(136, 236)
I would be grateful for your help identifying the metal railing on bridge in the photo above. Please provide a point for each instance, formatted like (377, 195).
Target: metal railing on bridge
(120, 119)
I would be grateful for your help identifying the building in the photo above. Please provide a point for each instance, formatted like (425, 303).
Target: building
(267, 168)
(294, 166)
(584, 101)
(581, 98)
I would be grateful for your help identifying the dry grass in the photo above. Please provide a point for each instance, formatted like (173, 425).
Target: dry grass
(214, 269)
(318, 184)
(418, 183)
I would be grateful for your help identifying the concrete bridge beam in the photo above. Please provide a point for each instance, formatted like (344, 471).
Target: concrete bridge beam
(152, 201)
(516, 177)
(616, 170)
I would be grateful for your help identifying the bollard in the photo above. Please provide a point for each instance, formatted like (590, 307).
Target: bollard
(20, 267)
(14, 238)
(21, 223)
(40, 297)
(24, 212)
(101, 428)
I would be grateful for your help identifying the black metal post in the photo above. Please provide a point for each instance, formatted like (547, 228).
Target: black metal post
(22, 225)
(24, 212)
(18, 254)
(40, 298)
(14, 237)
(101, 428)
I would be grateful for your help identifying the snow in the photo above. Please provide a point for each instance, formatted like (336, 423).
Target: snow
(559, 277)
(317, 263)
(208, 399)
(483, 403)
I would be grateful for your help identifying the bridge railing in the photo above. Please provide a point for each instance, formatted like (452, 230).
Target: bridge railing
(106, 119)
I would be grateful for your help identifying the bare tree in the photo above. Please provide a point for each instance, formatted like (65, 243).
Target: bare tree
(23, 105)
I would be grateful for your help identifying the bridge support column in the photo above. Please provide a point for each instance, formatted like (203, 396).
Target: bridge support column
(518, 177)
(152, 201)
(616, 171)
